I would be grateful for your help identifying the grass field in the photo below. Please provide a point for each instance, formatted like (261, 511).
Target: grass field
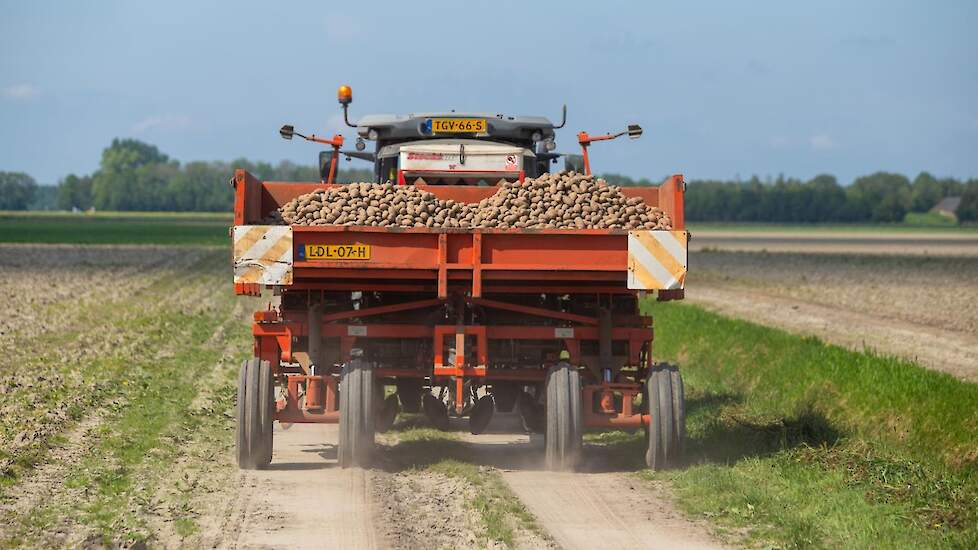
(110, 387)
(209, 229)
(804, 444)
(119, 397)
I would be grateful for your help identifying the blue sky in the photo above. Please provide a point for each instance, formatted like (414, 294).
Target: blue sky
(723, 89)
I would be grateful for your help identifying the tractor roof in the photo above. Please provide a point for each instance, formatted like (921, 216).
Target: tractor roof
(499, 126)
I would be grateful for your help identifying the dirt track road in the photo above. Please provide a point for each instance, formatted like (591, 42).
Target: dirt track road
(922, 243)
(333, 507)
(327, 506)
(595, 507)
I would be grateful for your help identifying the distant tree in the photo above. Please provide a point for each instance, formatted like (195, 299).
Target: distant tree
(828, 199)
(928, 191)
(75, 192)
(968, 209)
(17, 190)
(45, 198)
(129, 154)
(116, 185)
(880, 197)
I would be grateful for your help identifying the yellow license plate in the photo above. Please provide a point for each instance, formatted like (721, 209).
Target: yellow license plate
(337, 251)
(458, 125)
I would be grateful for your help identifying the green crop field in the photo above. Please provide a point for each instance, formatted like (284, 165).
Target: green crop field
(209, 229)
(797, 443)
(792, 442)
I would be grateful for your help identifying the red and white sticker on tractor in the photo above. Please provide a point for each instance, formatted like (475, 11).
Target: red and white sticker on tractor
(263, 254)
(657, 259)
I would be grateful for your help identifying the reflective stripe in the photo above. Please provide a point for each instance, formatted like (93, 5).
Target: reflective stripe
(657, 260)
(263, 254)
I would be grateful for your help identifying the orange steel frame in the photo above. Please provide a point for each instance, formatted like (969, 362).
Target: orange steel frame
(447, 263)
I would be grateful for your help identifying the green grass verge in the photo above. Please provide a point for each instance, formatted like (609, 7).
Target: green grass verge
(929, 219)
(115, 228)
(148, 422)
(117, 214)
(802, 444)
(142, 322)
(428, 449)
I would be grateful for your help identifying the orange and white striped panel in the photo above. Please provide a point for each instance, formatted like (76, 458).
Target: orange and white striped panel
(657, 259)
(263, 254)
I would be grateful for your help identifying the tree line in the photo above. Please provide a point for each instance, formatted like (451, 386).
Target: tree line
(136, 176)
(881, 197)
(133, 175)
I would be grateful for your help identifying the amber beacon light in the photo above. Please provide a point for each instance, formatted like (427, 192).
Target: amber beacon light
(344, 95)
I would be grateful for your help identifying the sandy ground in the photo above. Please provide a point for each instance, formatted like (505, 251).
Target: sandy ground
(361, 509)
(593, 507)
(854, 242)
(326, 506)
(922, 309)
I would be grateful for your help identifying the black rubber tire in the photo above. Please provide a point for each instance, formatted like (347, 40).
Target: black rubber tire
(252, 436)
(242, 450)
(356, 415)
(678, 413)
(663, 447)
(563, 434)
(387, 411)
(504, 395)
(266, 413)
(409, 394)
(481, 414)
(435, 410)
(532, 413)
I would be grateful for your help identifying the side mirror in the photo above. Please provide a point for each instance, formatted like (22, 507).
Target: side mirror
(634, 131)
(325, 158)
(574, 163)
(286, 131)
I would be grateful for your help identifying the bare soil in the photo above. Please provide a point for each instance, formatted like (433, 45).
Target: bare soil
(815, 241)
(426, 510)
(599, 505)
(921, 309)
(415, 508)
(303, 500)
(87, 300)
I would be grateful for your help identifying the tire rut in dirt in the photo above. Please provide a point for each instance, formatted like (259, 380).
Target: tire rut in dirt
(356, 438)
(563, 432)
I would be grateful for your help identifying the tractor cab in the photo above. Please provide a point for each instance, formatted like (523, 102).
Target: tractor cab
(457, 148)
(451, 148)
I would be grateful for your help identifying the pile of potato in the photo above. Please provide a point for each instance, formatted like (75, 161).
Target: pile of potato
(553, 201)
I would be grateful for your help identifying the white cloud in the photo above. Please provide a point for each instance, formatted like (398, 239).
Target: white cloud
(21, 92)
(162, 122)
(822, 142)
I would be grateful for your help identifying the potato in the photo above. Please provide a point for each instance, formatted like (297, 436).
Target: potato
(564, 200)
